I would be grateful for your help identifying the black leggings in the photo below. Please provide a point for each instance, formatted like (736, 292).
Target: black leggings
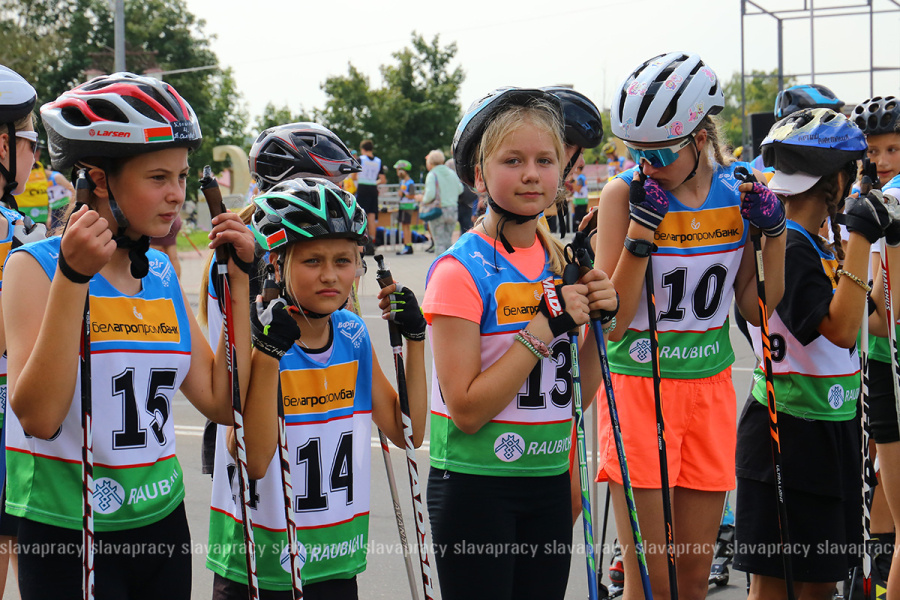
(149, 562)
(500, 537)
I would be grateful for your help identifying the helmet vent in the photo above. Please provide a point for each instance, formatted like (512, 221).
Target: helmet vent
(107, 110)
(74, 116)
(142, 108)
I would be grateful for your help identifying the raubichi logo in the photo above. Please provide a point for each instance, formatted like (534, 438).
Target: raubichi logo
(836, 396)
(640, 350)
(509, 447)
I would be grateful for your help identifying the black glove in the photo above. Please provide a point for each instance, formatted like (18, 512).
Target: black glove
(867, 216)
(553, 306)
(407, 315)
(892, 203)
(274, 329)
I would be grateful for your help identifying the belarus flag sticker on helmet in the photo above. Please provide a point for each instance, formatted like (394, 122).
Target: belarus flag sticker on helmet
(276, 239)
(158, 134)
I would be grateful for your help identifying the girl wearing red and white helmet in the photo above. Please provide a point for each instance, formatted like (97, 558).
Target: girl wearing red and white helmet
(129, 138)
(683, 206)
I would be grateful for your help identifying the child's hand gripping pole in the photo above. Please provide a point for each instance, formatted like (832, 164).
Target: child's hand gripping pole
(213, 196)
(743, 175)
(385, 279)
(582, 257)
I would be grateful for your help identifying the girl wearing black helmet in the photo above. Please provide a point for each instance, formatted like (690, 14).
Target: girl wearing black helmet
(129, 137)
(683, 209)
(815, 366)
(318, 359)
(502, 400)
(879, 120)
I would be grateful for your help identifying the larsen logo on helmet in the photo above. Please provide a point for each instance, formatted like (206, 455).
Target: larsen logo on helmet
(108, 133)
(158, 134)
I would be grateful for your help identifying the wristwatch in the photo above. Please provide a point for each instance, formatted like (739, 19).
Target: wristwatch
(640, 248)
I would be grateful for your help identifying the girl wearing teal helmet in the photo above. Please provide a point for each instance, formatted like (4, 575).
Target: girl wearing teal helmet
(317, 360)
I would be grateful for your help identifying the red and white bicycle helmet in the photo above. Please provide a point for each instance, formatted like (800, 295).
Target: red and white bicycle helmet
(665, 98)
(117, 116)
(297, 150)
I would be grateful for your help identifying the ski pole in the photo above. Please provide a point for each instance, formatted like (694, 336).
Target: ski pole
(82, 195)
(745, 176)
(660, 428)
(385, 279)
(269, 293)
(392, 480)
(570, 276)
(597, 328)
(213, 196)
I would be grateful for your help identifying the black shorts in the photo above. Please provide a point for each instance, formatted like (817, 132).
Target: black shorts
(9, 524)
(825, 533)
(405, 216)
(147, 562)
(367, 197)
(333, 589)
(882, 405)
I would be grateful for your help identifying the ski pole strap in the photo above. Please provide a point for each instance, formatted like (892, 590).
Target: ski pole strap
(553, 307)
(70, 273)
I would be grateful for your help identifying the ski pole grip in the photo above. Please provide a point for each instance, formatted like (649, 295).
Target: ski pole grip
(384, 278)
(270, 289)
(745, 176)
(213, 196)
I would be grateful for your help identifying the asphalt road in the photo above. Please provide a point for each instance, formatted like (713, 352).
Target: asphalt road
(385, 577)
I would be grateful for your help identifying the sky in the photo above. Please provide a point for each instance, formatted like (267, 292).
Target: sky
(282, 50)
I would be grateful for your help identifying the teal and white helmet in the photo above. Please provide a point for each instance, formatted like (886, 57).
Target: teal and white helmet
(306, 209)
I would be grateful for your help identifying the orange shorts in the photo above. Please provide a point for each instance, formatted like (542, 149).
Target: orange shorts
(700, 427)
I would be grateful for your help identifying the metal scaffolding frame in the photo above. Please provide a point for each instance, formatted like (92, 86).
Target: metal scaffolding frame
(755, 8)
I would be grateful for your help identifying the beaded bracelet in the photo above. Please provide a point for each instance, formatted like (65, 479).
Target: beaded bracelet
(609, 326)
(538, 344)
(528, 345)
(854, 279)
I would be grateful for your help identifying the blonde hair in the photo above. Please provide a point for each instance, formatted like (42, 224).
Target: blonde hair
(545, 117)
(716, 150)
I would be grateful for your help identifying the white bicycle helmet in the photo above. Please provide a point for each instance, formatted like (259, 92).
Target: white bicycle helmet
(118, 116)
(17, 98)
(665, 98)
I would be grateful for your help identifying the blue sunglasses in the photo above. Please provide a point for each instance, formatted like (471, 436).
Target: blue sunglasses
(659, 157)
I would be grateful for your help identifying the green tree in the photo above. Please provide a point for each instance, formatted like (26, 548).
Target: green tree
(415, 111)
(760, 90)
(76, 36)
(279, 115)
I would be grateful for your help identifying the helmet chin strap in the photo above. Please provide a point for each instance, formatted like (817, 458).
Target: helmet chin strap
(572, 162)
(137, 249)
(505, 216)
(9, 174)
(696, 161)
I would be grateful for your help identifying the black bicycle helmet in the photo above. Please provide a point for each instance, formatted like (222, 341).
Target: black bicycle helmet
(306, 209)
(476, 118)
(581, 117)
(877, 115)
(16, 102)
(808, 95)
(299, 150)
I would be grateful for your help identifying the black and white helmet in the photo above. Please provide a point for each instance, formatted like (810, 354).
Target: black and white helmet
(299, 150)
(665, 98)
(878, 115)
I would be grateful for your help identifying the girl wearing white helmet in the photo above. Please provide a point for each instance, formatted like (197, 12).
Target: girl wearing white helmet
(129, 138)
(682, 205)
(18, 142)
(502, 414)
